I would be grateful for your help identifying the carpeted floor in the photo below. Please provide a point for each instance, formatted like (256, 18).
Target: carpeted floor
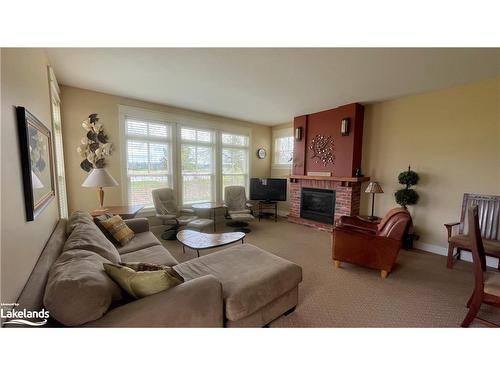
(420, 292)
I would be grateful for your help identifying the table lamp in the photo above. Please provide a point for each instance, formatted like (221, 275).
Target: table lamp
(99, 178)
(373, 188)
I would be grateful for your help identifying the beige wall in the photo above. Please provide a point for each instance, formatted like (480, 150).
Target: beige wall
(450, 137)
(283, 207)
(24, 82)
(77, 104)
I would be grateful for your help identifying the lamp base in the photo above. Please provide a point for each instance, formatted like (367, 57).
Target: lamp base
(373, 218)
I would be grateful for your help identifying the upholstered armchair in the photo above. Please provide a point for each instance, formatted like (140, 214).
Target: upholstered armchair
(368, 244)
(167, 209)
(237, 207)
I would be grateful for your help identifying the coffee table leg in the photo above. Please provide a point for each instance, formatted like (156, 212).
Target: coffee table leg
(198, 252)
(183, 249)
(214, 218)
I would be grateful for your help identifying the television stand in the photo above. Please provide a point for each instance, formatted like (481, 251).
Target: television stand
(268, 205)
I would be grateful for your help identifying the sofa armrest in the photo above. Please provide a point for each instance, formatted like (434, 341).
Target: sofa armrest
(195, 303)
(449, 227)
(138, 225)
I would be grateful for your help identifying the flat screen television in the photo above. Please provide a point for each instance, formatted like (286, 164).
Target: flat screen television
(268, 189)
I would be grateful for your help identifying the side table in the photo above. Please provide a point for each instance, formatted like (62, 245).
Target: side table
(263, 205)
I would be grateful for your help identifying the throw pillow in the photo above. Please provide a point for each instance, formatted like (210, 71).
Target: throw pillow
(118, 229)
(143, 283)
(98, 221)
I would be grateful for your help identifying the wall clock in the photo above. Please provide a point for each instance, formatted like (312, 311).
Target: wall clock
(261, 153)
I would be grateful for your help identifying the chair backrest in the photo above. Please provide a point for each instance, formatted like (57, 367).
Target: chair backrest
(235, 198)
(165, 201)
(488, 214)
(394, 224)
(478, 255)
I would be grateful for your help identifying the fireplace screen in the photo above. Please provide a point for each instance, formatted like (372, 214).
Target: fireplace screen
(317, 204)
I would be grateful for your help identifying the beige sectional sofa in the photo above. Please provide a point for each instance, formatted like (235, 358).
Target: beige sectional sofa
(241, 286)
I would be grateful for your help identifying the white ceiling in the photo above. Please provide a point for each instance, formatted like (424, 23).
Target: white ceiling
(269, 86)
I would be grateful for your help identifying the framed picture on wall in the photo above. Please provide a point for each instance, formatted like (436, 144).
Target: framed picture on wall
(37, 163)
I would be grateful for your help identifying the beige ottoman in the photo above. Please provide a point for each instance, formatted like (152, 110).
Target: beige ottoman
(257, 286)
(199, 224)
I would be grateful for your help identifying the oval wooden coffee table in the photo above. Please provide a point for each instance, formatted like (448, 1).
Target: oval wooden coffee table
(203, 241)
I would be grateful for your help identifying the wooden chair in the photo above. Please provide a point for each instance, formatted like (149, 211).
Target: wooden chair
(487, 283)
(489, 220)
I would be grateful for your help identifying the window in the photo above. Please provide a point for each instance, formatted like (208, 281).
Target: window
(234, 160)
(283, 148)
(149, 158)
(197, 165)
(58, 145)
(197, 158)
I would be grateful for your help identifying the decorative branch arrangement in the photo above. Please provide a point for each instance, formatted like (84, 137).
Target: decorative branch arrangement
(322, 149)
(94, 146)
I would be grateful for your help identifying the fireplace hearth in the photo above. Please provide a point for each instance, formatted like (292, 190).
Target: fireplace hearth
(317, 205)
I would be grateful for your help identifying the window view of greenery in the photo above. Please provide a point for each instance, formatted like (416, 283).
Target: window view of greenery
(148, 159)
(197, 165)
(234, 160)
(283, 151)
(149, 152)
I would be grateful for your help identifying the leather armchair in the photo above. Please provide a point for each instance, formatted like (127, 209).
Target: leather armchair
(368, 244)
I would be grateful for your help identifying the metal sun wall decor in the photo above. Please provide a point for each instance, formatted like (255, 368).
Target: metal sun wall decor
(322, 149)
(94, 146)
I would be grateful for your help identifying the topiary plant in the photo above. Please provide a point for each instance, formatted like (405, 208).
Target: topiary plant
(407, 196)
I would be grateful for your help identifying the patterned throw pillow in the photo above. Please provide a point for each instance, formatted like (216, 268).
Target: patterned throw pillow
(143, 279)
(118, 229)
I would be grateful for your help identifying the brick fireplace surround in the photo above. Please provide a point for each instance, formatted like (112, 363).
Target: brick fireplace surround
(337, 175)
(347, 198)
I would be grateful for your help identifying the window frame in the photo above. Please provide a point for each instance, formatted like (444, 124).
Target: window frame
(212, 144)
(177, 121)
(278, 134)
(55, 105)
(235, 147)
(149, 116)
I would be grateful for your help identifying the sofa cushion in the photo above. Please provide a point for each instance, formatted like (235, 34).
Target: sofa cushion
(140, 241)
(76, 218)
(139, 284)
(155, 254)
(78, 290)
(250, 277)
(85, 235)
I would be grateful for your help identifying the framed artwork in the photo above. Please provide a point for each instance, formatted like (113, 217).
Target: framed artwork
(37, 163)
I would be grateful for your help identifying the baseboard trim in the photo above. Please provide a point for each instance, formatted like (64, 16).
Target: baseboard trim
(467, 256)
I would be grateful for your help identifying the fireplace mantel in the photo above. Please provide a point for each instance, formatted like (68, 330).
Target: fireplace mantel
(345, 181)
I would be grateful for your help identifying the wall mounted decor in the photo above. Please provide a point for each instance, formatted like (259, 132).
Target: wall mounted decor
(298, 133)
(261, 153)
(36, 163)
(94, 146)
(344, 127)
(322, 149)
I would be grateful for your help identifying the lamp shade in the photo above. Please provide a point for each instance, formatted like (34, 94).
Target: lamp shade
(373, 187)
(99, 177)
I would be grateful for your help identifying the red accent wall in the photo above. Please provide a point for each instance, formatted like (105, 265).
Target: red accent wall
(347, 149)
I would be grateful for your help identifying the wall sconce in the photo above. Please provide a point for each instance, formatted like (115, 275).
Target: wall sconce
(344, 127)
(298, 133)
